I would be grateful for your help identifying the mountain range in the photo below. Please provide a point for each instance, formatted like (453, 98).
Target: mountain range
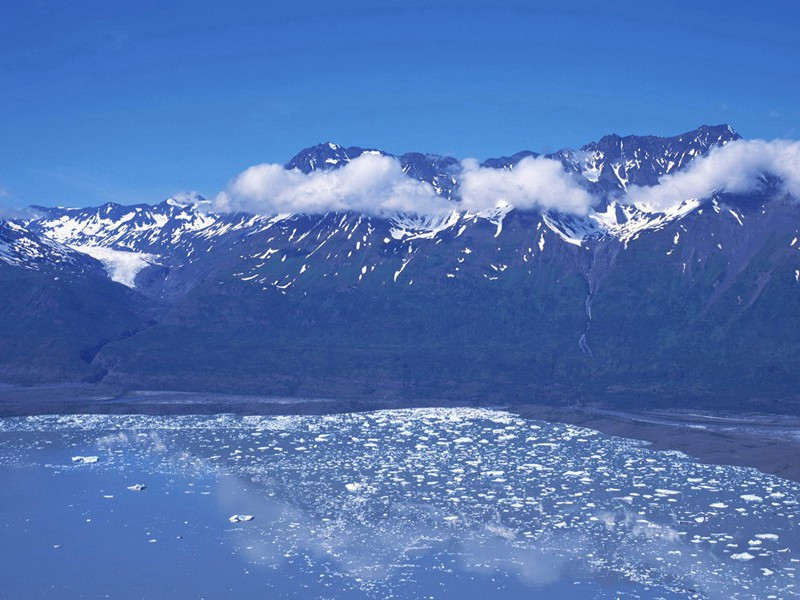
(698, 302)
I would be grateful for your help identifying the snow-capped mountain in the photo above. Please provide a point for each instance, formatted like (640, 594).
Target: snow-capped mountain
(614, 163)
(174, 234)
(608, 165)
(136, 228)
(21, 247)
(455, 303)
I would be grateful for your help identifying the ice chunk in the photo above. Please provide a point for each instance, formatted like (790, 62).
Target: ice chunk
(751, 498)
(742, 556)
(241, 518)
(86, 460)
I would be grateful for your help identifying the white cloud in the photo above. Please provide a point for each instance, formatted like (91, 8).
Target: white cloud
(370, 183)
(737, 167)
(376, 184)
(532, 183)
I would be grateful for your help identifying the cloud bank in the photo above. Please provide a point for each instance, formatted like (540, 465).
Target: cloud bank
(370, 183)
(737, 167)
(532, 183)
(376, 184)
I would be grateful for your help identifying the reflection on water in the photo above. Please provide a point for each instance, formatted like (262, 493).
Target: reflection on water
(440, 503)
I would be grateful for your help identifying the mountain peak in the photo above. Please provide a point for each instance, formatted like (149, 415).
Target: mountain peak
(717, 135)
(722, 129)
(710, 134)
(324, 156)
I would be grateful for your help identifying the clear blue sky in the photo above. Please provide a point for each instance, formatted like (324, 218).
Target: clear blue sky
(132, 101)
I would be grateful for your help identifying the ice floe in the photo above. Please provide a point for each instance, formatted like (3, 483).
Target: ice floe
(241, 518)
(86, 460)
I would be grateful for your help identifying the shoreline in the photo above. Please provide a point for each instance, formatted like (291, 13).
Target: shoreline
(764, 441)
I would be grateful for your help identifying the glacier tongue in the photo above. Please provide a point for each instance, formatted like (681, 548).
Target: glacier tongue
(121, 266)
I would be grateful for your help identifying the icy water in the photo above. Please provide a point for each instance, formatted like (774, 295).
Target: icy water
(418, 503)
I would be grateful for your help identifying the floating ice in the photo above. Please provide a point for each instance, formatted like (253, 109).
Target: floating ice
(241, 518)
(86, 460)
(380, 501)
(742, 556)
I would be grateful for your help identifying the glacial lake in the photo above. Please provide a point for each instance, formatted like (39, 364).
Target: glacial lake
(406, 504)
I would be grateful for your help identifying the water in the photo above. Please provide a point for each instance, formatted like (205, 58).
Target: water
(418, 503)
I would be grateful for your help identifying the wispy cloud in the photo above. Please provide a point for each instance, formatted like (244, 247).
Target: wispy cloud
(11, 213)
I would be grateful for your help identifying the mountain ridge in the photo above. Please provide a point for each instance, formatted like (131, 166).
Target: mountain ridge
(533, 301)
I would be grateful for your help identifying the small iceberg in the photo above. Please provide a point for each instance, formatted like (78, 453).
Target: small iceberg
(742, 556)
(241, 518)
(85, 460)
(751, 498)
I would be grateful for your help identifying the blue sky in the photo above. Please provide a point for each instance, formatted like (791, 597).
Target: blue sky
(131, 102)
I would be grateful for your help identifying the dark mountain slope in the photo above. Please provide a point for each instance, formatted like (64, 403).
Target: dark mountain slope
(454, 337)
(704, 304)
(51, 327)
